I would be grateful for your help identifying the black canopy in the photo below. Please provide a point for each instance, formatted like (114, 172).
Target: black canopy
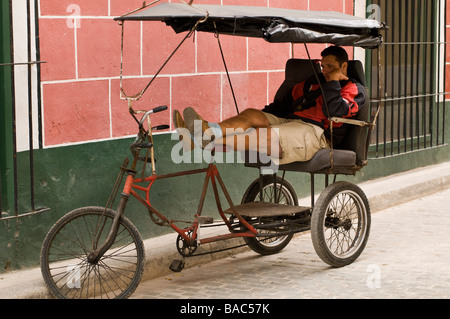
(272, 24)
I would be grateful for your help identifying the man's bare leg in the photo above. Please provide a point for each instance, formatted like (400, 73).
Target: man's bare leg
(247, 119)
(263, 140)
(248, 131)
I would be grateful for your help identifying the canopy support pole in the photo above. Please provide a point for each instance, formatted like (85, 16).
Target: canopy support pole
(226, 68)
(325, 104)
(139, 95)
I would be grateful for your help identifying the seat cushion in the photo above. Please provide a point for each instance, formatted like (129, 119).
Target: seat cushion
(320, 161)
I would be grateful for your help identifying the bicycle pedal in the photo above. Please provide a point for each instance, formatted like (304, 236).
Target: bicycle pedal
(203, 220)
(176, 265)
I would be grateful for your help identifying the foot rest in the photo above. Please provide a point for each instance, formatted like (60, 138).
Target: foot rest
(264, 209)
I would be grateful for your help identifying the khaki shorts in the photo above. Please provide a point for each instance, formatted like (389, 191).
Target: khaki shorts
(299, 140)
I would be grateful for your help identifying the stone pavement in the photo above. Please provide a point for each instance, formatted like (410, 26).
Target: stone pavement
(407, 256)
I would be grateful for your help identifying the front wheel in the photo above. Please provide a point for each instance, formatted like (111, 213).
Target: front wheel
(285, 195)
(65, 265)
(340, 224)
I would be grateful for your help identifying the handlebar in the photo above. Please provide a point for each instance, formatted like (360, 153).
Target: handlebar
(159, 108)
(155, 110)
(160, 127)
(139, 143)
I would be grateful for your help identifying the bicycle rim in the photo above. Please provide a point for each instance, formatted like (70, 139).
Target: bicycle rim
(64, 257)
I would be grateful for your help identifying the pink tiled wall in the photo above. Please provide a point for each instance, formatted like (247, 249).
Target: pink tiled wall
(81, 77)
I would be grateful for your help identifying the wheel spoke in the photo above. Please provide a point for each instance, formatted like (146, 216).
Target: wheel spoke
(343, 208)
(65, 253)
(340, 223)
(285, 195)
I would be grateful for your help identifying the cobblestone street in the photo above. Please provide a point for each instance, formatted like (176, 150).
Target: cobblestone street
(407, 256)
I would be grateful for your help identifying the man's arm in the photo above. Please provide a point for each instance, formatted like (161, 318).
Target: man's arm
(280, 107)
(343, 101)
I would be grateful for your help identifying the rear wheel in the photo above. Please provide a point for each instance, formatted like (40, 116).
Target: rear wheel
(340, 224)
(285, 195)
(65, 265)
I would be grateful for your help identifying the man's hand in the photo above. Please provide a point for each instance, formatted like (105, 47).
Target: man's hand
(335, 75)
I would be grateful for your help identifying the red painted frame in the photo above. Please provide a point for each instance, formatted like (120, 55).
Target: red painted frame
(190, 233)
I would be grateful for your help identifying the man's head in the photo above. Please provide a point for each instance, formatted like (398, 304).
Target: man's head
(334, 61)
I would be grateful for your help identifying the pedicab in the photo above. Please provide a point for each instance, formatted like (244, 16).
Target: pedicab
(97, 252)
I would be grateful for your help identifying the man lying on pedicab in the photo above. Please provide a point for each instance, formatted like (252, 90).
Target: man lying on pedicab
(293, 128)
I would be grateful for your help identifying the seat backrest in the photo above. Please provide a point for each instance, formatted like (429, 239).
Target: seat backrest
(356, 137)
(355, 71)
(297, 70)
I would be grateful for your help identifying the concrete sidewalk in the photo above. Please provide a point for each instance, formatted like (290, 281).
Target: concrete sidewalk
(382, 193)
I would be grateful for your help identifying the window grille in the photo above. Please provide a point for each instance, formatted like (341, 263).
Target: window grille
(410, 82)
(10, 208)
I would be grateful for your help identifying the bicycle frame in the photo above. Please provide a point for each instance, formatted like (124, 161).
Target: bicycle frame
(211, 174)
(189, 234)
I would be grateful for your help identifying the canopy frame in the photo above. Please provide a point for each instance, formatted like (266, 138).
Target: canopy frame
(198, 23)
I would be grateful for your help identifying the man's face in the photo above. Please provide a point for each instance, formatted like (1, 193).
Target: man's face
(330, 67)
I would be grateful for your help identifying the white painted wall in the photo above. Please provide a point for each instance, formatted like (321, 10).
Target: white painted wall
(20, 37)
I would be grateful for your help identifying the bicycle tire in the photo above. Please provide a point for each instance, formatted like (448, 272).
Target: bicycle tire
(288, 196)
(340, 224)
(64, 256)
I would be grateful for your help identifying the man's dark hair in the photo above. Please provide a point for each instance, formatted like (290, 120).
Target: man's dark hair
(340, 54)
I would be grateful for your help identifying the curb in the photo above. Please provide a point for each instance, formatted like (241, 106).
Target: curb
(382, 193)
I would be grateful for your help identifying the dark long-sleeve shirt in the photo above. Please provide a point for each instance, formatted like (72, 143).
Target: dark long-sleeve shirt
(305, 101)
